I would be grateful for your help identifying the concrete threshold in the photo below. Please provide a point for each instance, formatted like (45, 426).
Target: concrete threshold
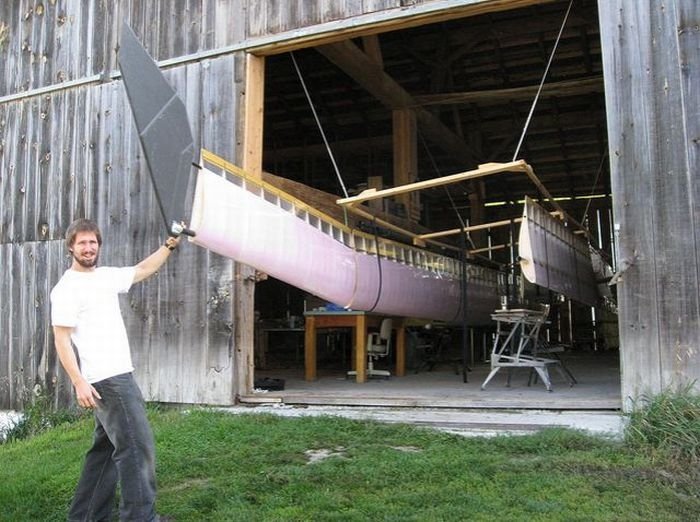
(460, 421)
(552, 402)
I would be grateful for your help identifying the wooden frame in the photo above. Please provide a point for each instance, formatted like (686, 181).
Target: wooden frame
(486, 169)
(244, 285)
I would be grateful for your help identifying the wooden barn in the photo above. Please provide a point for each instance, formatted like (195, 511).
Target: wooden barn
(601, 98)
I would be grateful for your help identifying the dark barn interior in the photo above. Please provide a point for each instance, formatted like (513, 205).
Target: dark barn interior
(472, 84)
(478, 76)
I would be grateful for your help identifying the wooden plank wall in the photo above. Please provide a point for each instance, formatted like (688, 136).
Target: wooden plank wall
(72, 151)
(651, 63)
(271, 17)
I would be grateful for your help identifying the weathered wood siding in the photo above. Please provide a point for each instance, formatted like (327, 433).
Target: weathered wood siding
(72, 151)
(303, 17)
(651, 56)
(274, 16)
(48, 43)
(68, 149)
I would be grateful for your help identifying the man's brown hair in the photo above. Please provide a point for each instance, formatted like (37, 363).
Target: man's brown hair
(82, 225)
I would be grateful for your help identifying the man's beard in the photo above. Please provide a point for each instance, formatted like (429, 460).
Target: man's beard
(86, 263)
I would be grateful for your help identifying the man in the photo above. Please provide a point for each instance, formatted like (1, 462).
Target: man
(85, 313)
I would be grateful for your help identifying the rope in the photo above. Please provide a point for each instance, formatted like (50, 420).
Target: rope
(320, 127)
(544, 76)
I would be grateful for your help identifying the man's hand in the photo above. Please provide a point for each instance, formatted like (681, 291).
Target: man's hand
(172, 242)
(86, 394)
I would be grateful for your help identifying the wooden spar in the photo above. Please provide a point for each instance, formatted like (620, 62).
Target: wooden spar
(472, 228)
(490, 248)
(531, 174)
(484, 170)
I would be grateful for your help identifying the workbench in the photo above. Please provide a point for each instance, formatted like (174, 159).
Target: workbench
(359, 322)
(515, 345)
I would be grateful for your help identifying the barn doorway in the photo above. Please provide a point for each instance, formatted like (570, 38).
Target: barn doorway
(476, 79)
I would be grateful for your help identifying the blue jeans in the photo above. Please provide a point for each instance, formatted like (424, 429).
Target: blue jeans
(123, 451)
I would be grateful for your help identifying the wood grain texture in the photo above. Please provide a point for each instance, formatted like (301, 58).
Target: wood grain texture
(73, 152)
(652, 192)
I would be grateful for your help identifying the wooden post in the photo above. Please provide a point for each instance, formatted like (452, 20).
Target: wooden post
(406, 159)
(253, 115)
(400, 347)
(310, 348)
(361, 348)
(651, 90)
(244, 280)
(375, 182)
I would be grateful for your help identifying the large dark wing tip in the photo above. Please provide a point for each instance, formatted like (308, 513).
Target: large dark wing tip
(163, 127)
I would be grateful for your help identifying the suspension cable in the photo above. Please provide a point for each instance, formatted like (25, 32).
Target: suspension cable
(597, 177)
(320, 127)
(462, 223)
(544, 76)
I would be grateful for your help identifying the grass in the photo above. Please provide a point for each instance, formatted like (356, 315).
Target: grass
(215, 466)
(38, 416)
(668, 424)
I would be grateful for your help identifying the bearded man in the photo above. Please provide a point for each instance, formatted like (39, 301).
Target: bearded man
(85, 313)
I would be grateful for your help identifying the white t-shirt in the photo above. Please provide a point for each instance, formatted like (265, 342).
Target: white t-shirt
(88, 302)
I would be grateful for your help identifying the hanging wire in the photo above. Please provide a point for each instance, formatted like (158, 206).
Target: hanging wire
(597, 177)
(462, 223)
(342, 184)
(320, 127)
(544, 76)
(380, 272)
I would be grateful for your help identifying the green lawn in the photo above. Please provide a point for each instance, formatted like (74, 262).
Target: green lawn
(215, 466)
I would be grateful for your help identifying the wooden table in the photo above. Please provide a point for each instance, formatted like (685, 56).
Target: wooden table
(359, 322)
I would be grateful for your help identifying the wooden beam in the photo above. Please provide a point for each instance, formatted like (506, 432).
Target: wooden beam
(372, 49)
(473, 228)
(486, 169)
(490, 248)
(406, 159)
(253, 107)
(376, 183)
(483, 170)
(415, 238)
(543, 190)
(349, 58)
(345, 146)
(383, 20)
(564, 88)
